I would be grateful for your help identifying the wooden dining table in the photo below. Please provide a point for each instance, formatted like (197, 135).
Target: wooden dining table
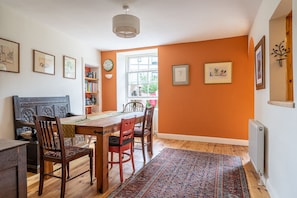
(100, 125)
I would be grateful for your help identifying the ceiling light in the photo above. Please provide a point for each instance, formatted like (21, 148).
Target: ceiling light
(125, 25)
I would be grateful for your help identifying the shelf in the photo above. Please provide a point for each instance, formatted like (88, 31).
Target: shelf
(90, 106)
(89, 92)
(91, 79)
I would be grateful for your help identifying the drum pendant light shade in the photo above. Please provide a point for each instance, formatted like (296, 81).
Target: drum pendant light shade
(125, 25)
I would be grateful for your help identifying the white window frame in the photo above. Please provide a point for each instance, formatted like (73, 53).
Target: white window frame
(122, 97)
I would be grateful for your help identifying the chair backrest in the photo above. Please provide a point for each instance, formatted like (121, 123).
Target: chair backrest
(133, 107)
(127, 129)
(50, 135)
(148, 118)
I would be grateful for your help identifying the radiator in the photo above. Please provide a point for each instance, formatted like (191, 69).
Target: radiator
(256, 145)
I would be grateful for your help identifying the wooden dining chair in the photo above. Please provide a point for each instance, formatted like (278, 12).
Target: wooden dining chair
(145, 131)
(51, 148)
(133, 106)
(122, 144)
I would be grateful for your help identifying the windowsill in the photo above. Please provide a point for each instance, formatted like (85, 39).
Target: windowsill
(289, 104)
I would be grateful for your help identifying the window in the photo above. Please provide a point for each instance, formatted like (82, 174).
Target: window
(142, 78)
(137, 77)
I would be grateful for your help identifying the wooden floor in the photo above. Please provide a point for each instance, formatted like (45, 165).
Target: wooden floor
(80, 187)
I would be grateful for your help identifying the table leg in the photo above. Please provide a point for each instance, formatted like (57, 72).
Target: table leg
(101, 162)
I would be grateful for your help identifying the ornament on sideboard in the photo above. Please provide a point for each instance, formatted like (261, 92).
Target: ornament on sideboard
(280, 52)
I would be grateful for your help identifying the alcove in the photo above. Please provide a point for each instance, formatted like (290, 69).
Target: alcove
(280, 55)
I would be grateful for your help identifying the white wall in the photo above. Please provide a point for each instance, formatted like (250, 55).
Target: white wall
(280, 122)
(32, 35)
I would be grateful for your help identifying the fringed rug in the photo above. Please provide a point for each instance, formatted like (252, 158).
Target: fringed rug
(184, 173)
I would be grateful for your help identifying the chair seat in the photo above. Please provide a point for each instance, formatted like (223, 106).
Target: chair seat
(115, 141)
(138, 132)
(72, 152)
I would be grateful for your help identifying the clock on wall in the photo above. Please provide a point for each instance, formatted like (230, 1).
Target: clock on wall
(108, 65)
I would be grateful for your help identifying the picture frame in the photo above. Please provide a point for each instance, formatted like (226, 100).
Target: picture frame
(180, 74)
(43, 62)
(218, 73)
(69, 67)
(9, 56)
(260, 64)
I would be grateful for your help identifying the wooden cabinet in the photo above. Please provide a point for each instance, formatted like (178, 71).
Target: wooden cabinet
(91, 89)
(13, 168)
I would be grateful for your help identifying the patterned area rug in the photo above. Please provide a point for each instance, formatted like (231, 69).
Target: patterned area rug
(183, 173)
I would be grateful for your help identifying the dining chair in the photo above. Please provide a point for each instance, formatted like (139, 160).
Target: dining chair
(145, 131)
(51, 148)
(133, 106)
(122, 144)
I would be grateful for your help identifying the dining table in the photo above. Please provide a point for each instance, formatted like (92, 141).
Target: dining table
(101, 125)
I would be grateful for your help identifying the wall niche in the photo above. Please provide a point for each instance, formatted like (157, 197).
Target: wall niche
(280, 51)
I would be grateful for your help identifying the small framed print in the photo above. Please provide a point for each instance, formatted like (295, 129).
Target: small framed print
(69, 67)
(180, 74)
(216, 73)
(260, 64)
(43, 62)
(9, 56)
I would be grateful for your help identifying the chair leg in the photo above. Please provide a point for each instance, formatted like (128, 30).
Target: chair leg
(121, 166)
(41, 177)
(150, 143)
(91, 168)
(111, 160)
(68, 175)
(143, 147)
(132, 159)
(63, 181)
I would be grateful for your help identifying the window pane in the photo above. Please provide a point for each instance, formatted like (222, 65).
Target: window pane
(144, 60)
(154, 60)
(132, 78)
(134, 91)
(142, 77)
(143, 67)
(133, 68)
(133, 61)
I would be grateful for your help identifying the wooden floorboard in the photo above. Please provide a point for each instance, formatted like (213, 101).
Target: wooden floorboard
(80, 187)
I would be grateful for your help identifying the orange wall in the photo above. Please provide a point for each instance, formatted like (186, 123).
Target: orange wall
(217, 110)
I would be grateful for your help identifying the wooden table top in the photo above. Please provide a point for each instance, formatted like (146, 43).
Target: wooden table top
(100, 120)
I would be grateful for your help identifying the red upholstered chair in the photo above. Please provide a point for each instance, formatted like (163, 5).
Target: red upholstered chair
(51, 148)
(123, 143)
(145, 131)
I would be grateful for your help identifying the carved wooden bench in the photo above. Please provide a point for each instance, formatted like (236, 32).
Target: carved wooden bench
(25, 107)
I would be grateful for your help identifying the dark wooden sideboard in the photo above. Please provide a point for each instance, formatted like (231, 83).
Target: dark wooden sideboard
(13, 169)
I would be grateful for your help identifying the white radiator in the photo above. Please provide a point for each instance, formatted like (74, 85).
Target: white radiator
(256, 145)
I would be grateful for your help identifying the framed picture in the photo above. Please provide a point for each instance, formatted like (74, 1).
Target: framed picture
(260, 64)
(69, 65)
(180, 74)
(9, 56)
(43, 62)
(216, 73)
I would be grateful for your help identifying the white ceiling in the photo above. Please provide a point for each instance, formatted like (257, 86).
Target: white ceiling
(161, 21)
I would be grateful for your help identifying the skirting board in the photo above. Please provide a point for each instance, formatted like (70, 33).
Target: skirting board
(203, 139)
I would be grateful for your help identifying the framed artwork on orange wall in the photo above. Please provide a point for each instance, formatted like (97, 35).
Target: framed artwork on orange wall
(217, 73)
(180, 74)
